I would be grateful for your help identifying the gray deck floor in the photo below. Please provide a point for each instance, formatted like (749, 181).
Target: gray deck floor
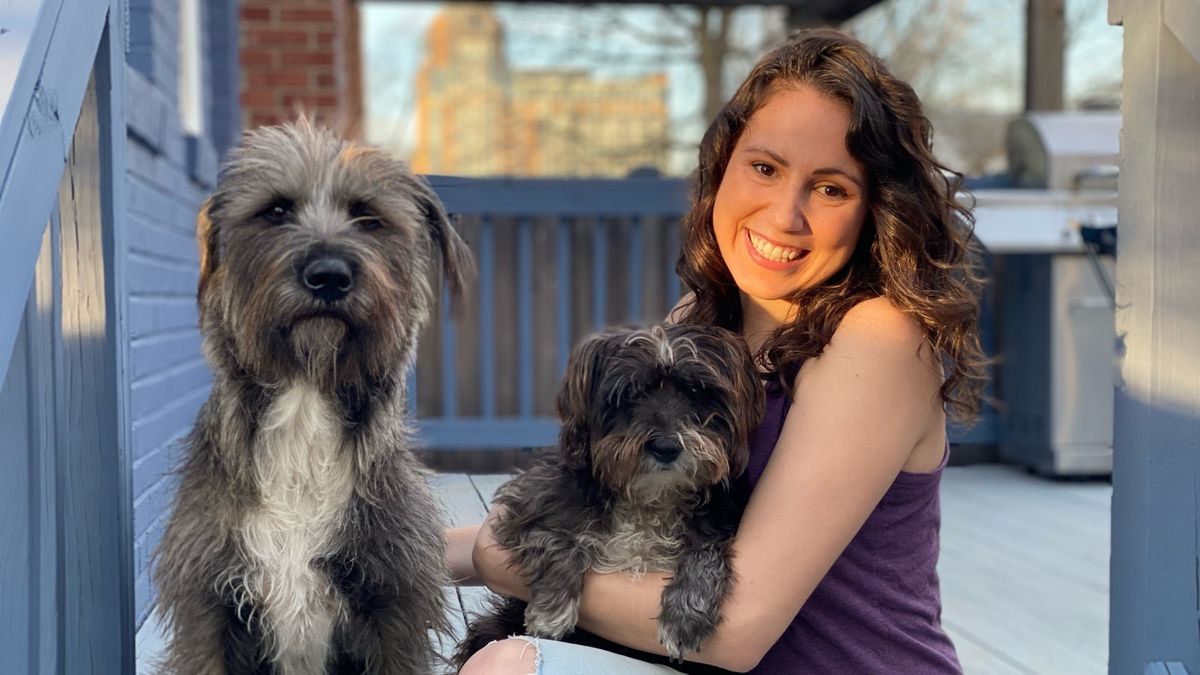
(1024, 567)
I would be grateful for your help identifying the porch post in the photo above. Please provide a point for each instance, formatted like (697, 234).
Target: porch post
(1155, 610)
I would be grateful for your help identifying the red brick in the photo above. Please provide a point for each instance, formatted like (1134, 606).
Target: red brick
(313, 57)
(318, 16)
(256, 57)
(254, 14)
(259, 98)
(326, 80)
(259, 119)
(276, 78)
(275, 37)
(309, 100)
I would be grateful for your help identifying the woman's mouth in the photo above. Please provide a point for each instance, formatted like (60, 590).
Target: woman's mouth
(772, 255)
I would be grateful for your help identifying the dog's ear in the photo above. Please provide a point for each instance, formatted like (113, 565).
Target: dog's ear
(457, 264)
(745, 386)
(207, 238)
(578, 408)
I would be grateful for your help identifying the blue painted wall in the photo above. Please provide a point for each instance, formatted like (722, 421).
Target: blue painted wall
(169, 176)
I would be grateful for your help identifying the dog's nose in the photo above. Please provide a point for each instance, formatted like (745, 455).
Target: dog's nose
(329, 278)
(664, 450)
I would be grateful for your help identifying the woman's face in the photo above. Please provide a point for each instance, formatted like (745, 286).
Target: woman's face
(791, 205)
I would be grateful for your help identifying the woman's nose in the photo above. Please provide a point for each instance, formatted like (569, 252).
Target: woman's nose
(788, 213)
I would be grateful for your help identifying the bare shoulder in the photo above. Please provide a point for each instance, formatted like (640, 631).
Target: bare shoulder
(877, 333)
(880, 322)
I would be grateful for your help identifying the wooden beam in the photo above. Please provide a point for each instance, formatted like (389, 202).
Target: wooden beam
(1045, 43)
(34, 140)
(1155, 515)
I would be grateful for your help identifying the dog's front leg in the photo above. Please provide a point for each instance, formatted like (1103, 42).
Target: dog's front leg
(555, 566)
(206, 641)
(691, 602)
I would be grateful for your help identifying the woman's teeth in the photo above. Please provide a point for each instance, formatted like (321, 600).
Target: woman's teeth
(772, 252)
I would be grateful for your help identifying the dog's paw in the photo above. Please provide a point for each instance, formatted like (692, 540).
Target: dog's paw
(552, 622)
(682, 627)
(680, 640)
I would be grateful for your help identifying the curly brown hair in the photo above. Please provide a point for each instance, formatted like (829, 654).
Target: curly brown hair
(915, 248)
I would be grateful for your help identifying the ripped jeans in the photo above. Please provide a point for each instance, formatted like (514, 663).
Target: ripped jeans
(563, 658)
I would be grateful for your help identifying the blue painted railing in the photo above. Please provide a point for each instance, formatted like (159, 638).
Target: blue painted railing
(485, 377)
(486, 374)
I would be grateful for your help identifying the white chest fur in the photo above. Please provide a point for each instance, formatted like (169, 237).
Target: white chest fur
(305, 481)
(641, 539)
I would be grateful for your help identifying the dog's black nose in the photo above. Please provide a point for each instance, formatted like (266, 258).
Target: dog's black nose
(329, 278)
(664, 450)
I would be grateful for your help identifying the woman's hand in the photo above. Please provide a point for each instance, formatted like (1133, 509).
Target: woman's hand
(492, 562)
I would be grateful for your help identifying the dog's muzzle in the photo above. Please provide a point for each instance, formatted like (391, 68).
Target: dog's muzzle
(328, 278)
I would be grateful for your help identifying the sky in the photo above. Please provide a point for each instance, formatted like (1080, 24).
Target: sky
(548, 35)
(17, 18)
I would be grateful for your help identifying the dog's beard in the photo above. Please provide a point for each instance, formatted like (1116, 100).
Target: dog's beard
(319, 343)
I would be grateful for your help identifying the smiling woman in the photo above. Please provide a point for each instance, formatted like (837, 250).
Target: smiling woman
(826, 234)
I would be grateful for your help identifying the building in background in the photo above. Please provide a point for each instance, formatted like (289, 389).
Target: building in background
(301, 56)
(476, 116)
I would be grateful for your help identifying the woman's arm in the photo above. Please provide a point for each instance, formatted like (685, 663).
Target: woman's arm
(859, 411)
(459, 544)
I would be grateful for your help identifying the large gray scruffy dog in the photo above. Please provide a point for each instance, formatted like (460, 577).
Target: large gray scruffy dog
(303, 539)
(655, 431)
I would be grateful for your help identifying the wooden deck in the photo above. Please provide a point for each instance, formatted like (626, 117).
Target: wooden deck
(1024, 567)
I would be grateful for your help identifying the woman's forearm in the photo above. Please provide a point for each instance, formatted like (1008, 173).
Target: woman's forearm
(624, 609)
(459, 542)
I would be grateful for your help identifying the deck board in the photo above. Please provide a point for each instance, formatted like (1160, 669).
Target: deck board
(1024, 568)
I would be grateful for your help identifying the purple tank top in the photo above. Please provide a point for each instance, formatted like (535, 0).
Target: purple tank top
(878, 610)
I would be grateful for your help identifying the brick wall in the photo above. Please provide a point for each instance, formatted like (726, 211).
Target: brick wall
(301, 56)
(169, 174)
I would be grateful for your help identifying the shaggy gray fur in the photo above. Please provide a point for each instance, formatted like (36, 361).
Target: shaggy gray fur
(656, 425)
(303, 537)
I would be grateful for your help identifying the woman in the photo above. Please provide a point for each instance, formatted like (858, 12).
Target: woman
(823, 230)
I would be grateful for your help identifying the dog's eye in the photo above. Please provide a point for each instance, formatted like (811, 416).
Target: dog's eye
(277, 212)
(366, 219)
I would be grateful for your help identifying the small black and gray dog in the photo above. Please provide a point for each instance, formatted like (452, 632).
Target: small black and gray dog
(304, 540)
(655, 428)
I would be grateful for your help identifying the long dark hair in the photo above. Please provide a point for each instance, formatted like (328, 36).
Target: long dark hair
(915, 247)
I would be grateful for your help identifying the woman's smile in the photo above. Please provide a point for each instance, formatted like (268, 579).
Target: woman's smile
(773, 255)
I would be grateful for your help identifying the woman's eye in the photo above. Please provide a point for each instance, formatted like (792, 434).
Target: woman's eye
(277, 212)
(832, 191)
(764, 169)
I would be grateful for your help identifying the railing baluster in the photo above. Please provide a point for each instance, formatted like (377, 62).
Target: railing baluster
(449, 400)
(599, 271)
(562, 310)
(487, 326)
(673, 225)
(634, 306)
(525, 317)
